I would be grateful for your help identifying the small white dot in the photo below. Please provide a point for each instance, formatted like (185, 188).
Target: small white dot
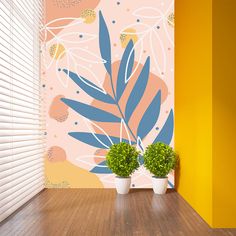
(153, 68)
(117, 55)
(90, 65)
(162, 3)
(171, 69)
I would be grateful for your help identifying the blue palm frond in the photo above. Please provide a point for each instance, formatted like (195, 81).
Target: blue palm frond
(138, 90)
(90, 88)
(125, 69)
(90, 112)
(166, 132)
(101, 168)
(96, 140)
(150, 116)
(104, 43)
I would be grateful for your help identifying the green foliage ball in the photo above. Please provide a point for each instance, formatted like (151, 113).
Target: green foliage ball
(122, 159)
(160, 159)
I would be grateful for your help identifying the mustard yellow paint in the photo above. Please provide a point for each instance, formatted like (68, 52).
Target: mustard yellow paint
(66, 175)
(224, 114)
(193, 103)
(205, 108)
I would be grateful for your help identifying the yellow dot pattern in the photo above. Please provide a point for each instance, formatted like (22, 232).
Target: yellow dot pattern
(57, 51)
(88, 15)
(171, 20)
(127, 35)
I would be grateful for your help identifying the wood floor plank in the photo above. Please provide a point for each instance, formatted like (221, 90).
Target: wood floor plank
(59, 212)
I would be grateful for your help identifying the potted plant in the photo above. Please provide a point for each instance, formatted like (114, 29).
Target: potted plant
(159, 159)
(122, 159)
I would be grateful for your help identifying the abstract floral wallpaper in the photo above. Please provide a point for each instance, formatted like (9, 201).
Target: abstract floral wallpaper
(108, 76)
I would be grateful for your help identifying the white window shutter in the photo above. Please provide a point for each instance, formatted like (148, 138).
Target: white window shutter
(22, 119)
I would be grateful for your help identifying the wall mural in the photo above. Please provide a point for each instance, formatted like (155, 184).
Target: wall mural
(108, 77)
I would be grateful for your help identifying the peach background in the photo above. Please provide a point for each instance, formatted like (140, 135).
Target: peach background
(71, 42)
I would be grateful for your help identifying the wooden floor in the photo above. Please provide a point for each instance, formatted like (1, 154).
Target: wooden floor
(102, 212)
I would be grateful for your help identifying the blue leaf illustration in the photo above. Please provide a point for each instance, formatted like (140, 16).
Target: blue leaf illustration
(150, 116)
(138, 90)
(104, 43)
(170, 184)
(90, 88)
(89, 139)
(140, 159)
(90, 112)
(101, 168)
(166, 132)
(140, 144)
(122, 74)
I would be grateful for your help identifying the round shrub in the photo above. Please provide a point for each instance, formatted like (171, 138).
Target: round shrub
(159, 159)
(122, 159)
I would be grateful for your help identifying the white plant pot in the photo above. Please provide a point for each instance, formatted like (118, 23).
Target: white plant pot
(159, 184)
(122, 184)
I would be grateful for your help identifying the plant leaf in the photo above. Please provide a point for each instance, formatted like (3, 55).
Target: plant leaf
(90, 112)
(150, 116)
(123, 125)
(91, 140)
(158, 52)
(125, 69)
(90, 88)
(104, 43)
(166, 132)
(148, 13)
(138, 48)
(140, 159)
(138, 90)
(101, 168)
(170, 184)
(72, 37)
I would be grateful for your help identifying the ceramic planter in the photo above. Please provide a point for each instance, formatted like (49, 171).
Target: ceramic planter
(122, 184)
(159, 184)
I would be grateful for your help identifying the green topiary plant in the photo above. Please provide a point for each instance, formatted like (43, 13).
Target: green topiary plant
(122, 159)
(160, 159)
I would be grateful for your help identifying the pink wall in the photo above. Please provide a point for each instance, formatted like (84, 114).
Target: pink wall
(141, 115)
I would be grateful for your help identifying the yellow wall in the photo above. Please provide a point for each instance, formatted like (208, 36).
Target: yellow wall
(205, 108)
(193, 103)
(224, 113)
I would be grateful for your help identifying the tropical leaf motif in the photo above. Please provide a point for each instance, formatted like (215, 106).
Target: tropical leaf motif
(138, 90)
(62, 23)
(158, 51)
(148, 13)
(125, 69)
(81, 69)
(90, 112)
(140, 29)
(90, 88)
(72, 37)
(166, 132)
(141, 159)
(138, 47)
(96, 140)
(140, 145)
(150, 116)
(170, 184)
(101, 168)
(86, 55)
(124, 126)
(104, 43)
(62, 78)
